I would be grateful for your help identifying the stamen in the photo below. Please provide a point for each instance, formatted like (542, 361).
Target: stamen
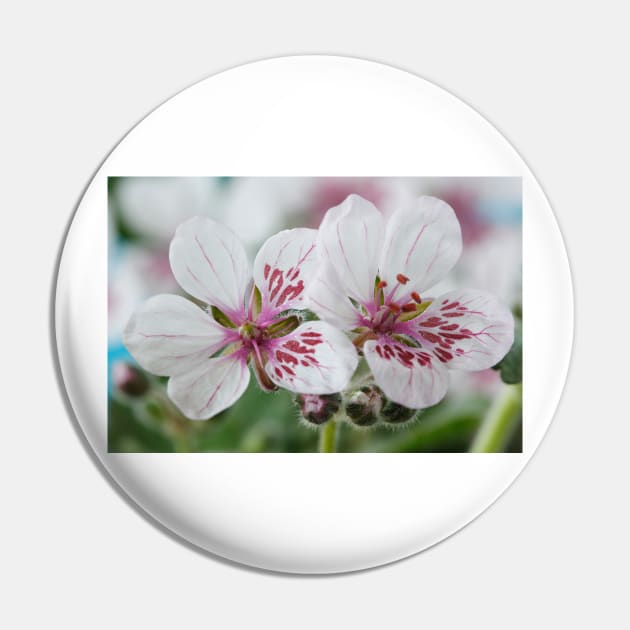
(393, 307)
(379, 293)
(416, 296)
(409, 307)
(402, 279)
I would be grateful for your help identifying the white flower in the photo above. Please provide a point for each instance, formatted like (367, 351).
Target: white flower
(207, 357)
(154, 206)
(478, 264)
(257, 206)
(373, 275)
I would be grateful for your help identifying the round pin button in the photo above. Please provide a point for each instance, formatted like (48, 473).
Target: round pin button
(291, 311)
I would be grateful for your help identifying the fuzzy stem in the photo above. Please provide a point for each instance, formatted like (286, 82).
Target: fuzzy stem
(328, 437)
(499, 422)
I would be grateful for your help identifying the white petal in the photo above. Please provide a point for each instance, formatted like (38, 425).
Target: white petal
(422, 242)
(328, 299)
(169, 335)
(209, 262)
(409, 376)
(211, 388)
(314, 359)
(283, 269)
(350, 237)
(467, 330)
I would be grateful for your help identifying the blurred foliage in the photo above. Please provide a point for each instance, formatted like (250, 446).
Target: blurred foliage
(511, 366)
(120, 227)
(263, 422)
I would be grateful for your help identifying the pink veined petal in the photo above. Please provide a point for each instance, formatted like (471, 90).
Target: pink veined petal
(350, 237)
(467, 330)
(169, 335)
(328, 299)
(422, 243)
(210, 263)
(283, 269)
(210, 388)
(314, 359)
(409, 376)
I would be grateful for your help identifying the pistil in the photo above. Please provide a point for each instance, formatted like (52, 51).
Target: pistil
(258, 363)
(249, 332)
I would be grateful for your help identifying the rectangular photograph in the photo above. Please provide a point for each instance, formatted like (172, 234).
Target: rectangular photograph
(315, 314)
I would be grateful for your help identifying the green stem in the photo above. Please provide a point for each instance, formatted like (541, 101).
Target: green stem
(499, 422)
(328, 437)
(177, 425)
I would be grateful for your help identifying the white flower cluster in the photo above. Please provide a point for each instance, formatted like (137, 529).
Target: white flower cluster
(363, 273)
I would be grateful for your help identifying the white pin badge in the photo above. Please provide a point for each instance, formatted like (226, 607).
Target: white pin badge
(298, 312)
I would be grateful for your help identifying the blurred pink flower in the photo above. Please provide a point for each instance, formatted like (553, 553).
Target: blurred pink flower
(331, 191)
(464, 201)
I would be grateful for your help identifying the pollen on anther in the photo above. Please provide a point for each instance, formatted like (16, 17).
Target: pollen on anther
(394, 308)
(381, 285)
(416, 296)
(409, 307)
(402, 278)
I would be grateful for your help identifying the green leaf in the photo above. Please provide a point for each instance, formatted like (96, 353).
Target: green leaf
(304, 315)
(511, 366)
(308, 316)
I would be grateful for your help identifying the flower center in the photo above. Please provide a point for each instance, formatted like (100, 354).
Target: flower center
(390, 311)
(384, 319)
(388, 315)
(250, 332)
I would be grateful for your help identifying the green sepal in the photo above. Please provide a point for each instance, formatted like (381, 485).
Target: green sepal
(380, 299)
(282, 327)
(393, 413)
(257, 301)
(318, 410)
(221, 318)
(364, 405)
(304, 315)
(423, 306)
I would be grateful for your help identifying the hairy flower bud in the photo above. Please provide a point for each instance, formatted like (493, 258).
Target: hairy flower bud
(364, 405)
(129, 379)
(318, 409)
(393, 413)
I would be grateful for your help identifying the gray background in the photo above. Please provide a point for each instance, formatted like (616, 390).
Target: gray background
(553, 551)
